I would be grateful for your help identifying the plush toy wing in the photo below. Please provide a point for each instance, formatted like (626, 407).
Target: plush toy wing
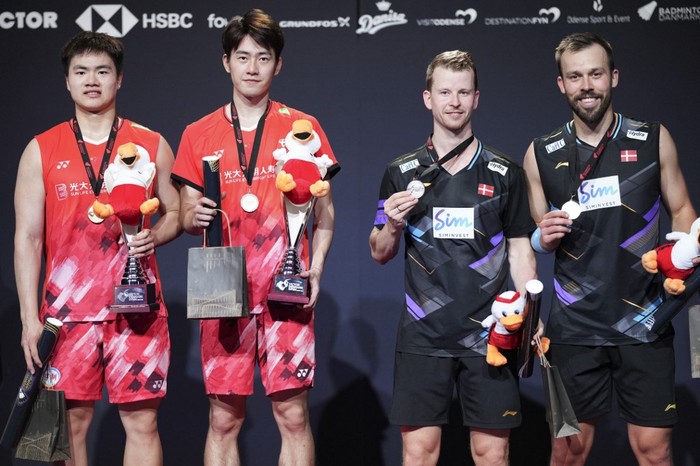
(149, 172)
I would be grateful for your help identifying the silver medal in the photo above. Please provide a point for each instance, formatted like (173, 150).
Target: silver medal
(572, 208)
(416, 188)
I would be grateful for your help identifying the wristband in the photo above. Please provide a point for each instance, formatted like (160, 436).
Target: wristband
(535, 242)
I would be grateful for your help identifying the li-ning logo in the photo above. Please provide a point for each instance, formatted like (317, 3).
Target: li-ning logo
(670, 406)
(509, 413)
(117, 20)
(370, 24)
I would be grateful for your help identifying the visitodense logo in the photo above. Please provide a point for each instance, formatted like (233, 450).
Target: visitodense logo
(115, 20)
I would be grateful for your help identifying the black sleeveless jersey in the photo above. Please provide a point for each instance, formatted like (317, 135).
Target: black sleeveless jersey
(602, 295)
(455, 248)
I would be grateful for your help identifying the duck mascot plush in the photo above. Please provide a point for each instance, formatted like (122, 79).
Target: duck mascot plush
(675, 260)
(127, 180)
(505, 327)
(302, 171)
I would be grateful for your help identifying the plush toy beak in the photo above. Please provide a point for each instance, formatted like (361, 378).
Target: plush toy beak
(512, 322)
(302, 130)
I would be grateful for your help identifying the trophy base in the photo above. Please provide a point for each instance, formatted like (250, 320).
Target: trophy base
(134, 298)
(289, 290)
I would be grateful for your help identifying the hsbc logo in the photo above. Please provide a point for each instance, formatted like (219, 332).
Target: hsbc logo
(114, 20)
(117, 20)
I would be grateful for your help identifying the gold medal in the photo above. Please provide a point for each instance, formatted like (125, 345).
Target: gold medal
(93, 217)
(250, 202)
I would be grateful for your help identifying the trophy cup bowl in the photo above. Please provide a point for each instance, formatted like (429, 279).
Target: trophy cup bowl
(134, 293)
(288, 287)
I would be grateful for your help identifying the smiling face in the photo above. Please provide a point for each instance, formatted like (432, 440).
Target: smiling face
(252, 68)
(452, 98)
(93, 82)
(587, 82)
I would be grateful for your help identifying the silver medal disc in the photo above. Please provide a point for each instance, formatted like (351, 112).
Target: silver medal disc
(250, 202)
(572, 208)
(416, 188)
(93, 217)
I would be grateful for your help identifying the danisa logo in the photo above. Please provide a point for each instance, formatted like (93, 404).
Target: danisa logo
(544, 16)
(370, 24)
(117, 20)
(462, 18)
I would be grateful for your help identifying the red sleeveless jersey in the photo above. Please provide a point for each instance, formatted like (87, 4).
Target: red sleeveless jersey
(83, 259)
(262, 232)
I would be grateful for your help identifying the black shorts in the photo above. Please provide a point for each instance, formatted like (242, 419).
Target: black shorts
(643, 376)
(424, 385)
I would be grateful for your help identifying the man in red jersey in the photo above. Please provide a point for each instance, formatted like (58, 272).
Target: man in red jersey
(282, 342)
(85, 256)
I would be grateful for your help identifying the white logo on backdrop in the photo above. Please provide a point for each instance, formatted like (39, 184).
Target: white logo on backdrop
(545, 16)
(115, 20)
(647, 11)
(462, 18)
(370, 24)
(552, 12)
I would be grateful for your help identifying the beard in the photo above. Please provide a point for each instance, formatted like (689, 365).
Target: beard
(591, 116)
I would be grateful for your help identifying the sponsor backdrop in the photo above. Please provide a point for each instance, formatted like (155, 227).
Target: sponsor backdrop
(359, 67)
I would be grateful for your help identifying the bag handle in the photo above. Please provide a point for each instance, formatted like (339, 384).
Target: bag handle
(543, 360)
(228, 222)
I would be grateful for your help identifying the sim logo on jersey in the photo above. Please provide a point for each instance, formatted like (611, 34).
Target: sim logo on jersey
(115, 20)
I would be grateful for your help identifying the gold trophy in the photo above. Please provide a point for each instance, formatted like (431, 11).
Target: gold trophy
(127, 180)
(301, 179)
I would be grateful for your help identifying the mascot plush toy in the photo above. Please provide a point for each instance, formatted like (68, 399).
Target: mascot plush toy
(302, 171)
(127, 180)
(675, 260)
(505, 324)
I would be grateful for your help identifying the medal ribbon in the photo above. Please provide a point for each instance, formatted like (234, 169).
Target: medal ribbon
(95, 181)
(426, 172)
(592, 160)
(248, 171)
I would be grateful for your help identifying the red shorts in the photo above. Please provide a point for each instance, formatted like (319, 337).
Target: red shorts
(282, 342)
(130, 355)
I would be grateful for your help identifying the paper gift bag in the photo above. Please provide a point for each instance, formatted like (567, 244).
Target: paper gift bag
(217, 285)
(46, 438)
(559, 412)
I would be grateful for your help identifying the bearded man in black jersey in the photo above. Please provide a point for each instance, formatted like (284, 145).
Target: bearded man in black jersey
(461, 207)
(596, 186)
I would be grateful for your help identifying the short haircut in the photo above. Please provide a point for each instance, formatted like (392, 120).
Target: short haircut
(582, 40)
(88, 42)
(454, 60)
(259, 26)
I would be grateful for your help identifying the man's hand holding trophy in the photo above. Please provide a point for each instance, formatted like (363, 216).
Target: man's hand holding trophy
(301, 174)
(127, 180)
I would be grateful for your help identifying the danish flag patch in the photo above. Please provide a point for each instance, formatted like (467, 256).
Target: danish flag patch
(485, 190)
(628, 156)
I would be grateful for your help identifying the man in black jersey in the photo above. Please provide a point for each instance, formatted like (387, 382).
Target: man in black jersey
(462, 209)
(596, 186)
